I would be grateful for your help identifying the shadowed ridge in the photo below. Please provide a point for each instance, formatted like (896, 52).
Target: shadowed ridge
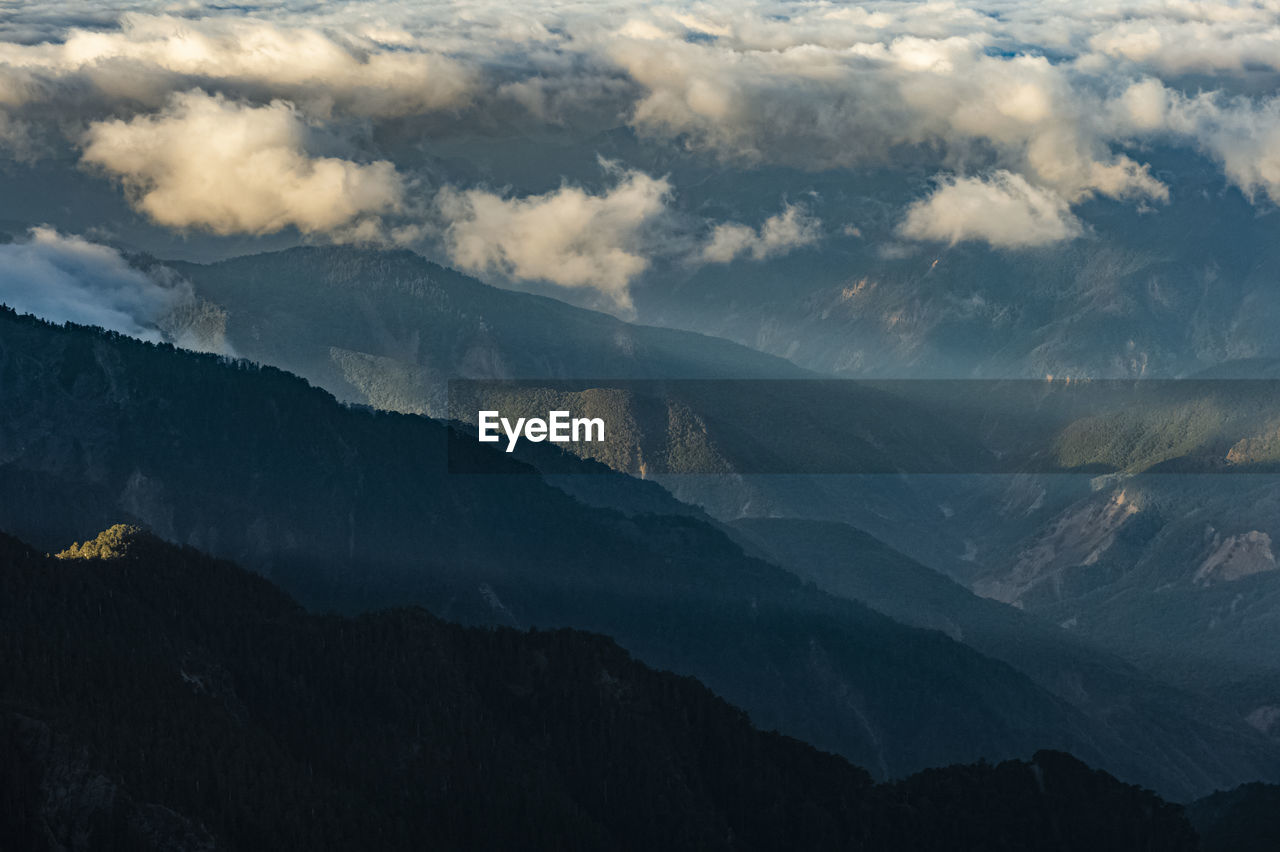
(167, 701)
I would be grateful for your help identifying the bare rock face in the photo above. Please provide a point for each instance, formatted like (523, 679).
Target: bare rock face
(1266, 718)
(1235, 557)
(1079, 537)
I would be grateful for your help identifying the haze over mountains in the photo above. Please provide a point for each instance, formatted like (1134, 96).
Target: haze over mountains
(245, 249)
(1011, 539)
(257, 466)
(141, 431)
(389, 329)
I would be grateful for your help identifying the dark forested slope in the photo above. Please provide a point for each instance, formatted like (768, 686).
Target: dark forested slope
(154, 698)
(351, 509)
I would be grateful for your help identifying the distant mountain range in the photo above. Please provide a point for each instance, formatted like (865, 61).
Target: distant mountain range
(1164, 292)
(390, 328)
(1058, 546)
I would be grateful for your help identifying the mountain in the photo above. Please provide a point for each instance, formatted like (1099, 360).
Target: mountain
(1046, 545)
(1163, 292)
(1176, 572)
(1191, 731)
(154, 698)
(388, 328)
(351, 509)
(1239, 820)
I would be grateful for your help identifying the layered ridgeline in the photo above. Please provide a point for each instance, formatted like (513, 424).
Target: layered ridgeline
(350, 508)
(1187, 730)
(1164, 554)
(390, 328)
(1177, 572)
(1141, 295)
(154, 698)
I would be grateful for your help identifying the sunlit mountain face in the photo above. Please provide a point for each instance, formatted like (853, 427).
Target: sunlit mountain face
(250, 254)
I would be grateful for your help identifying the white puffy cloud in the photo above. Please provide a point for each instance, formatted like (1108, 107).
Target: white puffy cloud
(1064, 95)
(1243, 134)
(778, 235)
(1196, 37)
(209, 163)
(68, 279)
(822, 107)
(1246, 140)
(1003, 210)
(360, 74)
(570, 237)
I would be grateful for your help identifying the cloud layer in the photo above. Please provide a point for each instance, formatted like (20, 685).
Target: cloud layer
(1019, 112)
(372, 73)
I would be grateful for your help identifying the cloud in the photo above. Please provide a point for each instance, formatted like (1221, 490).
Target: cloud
(1214, 38)
(570, 237)
(780, 234)
(206, 162)
(16, 142)
(875, 102)
(1245, 139)
(1242, 134)
(1003, 210)
(68, 279)
(1046, 92)
(151, 55)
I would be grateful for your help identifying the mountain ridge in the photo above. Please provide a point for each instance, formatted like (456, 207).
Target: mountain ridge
(352, 509)
(237, 718)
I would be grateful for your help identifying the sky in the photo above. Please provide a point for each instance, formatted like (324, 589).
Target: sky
(381, 123)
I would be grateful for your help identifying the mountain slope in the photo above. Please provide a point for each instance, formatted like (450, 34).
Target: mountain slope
(1199, 738)
(1239, 820)
(388, 328)
(1178, 573)
(154, 698)
(351, 509)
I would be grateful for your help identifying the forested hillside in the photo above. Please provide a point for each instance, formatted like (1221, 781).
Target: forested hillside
(153, 698)
(352, 509)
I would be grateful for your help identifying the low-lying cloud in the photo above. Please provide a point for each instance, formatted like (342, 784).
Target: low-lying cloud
(1003, 210)
(570, 236)
(780, 234)
(69, 279)
(207, 162)
(1242, 134)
